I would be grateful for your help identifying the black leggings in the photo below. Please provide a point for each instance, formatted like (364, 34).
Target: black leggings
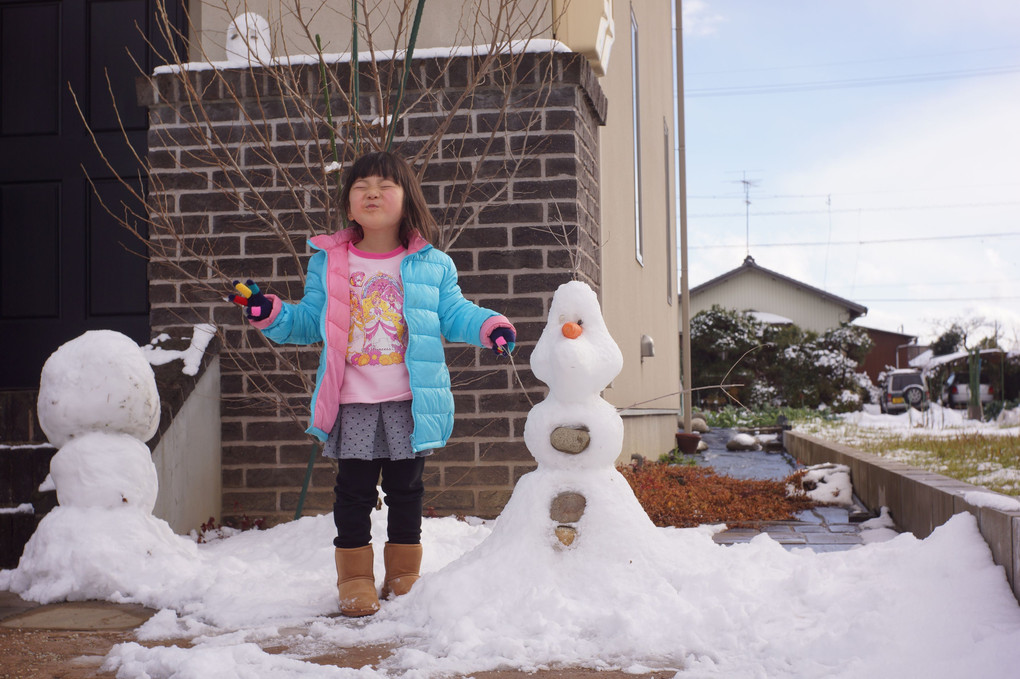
(356, 497)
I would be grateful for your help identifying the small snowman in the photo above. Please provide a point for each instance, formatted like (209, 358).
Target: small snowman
(574, 428)
(568, 523)
(249, 41)
(98, 404)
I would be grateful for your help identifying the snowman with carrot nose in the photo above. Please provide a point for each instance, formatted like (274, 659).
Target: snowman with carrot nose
(574, 431)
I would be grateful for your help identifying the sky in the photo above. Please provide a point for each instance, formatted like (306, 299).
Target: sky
(878, 144)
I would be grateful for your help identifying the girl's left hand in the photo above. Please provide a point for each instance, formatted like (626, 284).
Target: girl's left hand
(503, 341)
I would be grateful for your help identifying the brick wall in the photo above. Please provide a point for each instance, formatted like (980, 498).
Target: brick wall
(541, 230)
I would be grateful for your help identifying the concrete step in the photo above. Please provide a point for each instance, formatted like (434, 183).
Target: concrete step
(19, 421)
(22, 469)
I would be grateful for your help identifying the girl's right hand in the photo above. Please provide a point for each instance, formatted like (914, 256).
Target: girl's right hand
(257, 306)
(503, 341)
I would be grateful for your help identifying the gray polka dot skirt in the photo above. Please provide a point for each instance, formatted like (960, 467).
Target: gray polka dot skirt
(372, 431)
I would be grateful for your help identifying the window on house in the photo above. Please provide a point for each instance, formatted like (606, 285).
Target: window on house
(670, 277)
(638, 240)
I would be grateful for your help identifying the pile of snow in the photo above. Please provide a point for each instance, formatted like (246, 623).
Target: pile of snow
(879, 529)
(980, 498)
(1009, 418)
(23, 508)
(827, 484)
(936, 420)
(191, 357)
(637, 598)
(743, 441)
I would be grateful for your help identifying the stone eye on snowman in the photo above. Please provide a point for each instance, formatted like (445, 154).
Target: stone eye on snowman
(574, 428)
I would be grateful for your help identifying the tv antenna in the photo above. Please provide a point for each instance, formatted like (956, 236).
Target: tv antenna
(748, 183)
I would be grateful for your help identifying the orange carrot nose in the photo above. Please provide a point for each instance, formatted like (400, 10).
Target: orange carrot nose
(571, 330)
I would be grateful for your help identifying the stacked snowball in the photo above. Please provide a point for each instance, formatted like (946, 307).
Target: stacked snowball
(98, 404)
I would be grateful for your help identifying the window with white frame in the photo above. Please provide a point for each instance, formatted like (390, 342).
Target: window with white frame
(635, 110)
(670, 277)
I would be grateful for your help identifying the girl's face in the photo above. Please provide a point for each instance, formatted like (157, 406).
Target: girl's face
(377, 204)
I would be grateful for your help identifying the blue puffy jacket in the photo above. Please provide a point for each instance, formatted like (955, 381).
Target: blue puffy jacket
(433, 308)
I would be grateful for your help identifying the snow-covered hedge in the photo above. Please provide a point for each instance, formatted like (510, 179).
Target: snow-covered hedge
(777, 365)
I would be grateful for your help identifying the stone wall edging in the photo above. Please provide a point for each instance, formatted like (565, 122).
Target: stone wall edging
(918, 500)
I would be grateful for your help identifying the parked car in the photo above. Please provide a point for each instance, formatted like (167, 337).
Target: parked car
(904, 389)
(956, 391)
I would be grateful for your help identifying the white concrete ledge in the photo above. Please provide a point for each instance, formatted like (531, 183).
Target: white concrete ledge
(187, 458)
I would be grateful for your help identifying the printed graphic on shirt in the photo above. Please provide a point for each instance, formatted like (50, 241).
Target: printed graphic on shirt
(378, 335)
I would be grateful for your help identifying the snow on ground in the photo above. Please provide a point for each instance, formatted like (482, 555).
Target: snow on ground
(661, 598)
(507, 594)
(936, 421)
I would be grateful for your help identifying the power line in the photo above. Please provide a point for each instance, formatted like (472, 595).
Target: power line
(941, 299)
(883, 60)
(841, 194)
(849, 83)
(890, 208)
(878, 241)
(935, 284)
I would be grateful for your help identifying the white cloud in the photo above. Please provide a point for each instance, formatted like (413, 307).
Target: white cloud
(700, 19)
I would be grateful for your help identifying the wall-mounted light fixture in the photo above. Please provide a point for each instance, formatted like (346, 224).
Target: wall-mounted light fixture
(647, 347)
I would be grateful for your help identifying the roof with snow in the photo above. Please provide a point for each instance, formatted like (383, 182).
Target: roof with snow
(771, 319)
(928, 361)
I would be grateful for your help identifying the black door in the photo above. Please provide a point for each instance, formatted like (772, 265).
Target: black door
(66, 265)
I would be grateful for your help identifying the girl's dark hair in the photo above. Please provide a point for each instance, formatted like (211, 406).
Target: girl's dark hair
(388, 165)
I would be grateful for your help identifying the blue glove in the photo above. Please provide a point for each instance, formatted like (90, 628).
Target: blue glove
(503, 341)
(257, 306)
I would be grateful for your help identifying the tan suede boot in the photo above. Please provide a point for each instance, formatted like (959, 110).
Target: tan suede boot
(355, 581)
(402, 565)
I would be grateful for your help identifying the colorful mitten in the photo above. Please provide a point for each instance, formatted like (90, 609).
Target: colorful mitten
(503, 340)
(257, 306)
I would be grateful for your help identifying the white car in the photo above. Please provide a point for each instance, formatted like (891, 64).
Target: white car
(956, 391)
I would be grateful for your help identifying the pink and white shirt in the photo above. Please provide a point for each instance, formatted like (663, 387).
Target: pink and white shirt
(377, 341)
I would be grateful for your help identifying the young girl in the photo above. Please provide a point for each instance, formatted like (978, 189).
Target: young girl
(380, 298)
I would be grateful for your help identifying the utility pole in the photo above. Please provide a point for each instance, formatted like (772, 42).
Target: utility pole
(685, 297)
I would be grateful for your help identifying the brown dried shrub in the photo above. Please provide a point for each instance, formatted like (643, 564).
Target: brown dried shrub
(690, 496)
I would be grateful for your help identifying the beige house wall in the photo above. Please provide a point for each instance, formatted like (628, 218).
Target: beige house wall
(756, 291)
(640, 297)
(444, 23)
